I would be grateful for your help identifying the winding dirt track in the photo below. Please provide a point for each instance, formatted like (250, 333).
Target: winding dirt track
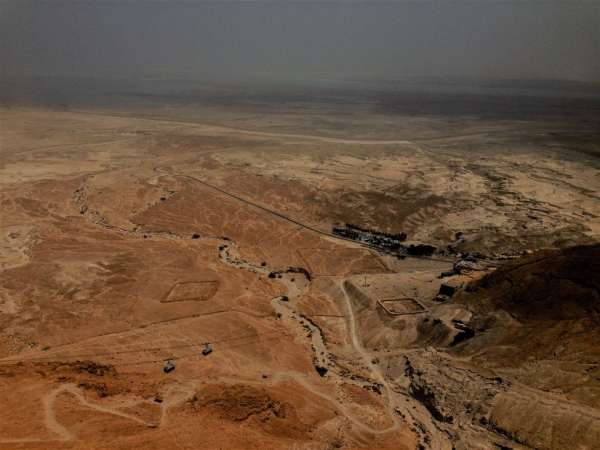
(62, 433)
(410, 409)
(414, 409)
(288, 313)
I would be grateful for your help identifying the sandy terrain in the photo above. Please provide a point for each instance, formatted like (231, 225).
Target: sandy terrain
(127, 240)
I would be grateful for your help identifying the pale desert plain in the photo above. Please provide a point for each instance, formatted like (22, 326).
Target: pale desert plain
(369, 273)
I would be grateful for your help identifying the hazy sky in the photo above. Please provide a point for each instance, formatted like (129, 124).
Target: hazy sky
(557, 39)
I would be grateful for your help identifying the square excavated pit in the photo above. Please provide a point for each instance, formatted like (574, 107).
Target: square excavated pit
(192, 291)
(400, 306)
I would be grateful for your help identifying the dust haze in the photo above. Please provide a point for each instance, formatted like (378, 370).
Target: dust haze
(300, 225)
(287, 40)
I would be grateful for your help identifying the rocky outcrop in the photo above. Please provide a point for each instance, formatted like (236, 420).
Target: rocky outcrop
(534, 327)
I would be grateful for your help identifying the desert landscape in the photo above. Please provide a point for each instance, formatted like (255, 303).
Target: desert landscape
(290, 270)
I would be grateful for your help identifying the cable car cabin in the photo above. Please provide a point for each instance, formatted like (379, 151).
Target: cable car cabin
(169, 367)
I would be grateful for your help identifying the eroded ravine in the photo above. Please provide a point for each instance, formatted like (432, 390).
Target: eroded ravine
(399, 412)
(409, 408)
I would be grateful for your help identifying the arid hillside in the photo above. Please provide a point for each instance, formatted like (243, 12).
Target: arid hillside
(535, 324)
